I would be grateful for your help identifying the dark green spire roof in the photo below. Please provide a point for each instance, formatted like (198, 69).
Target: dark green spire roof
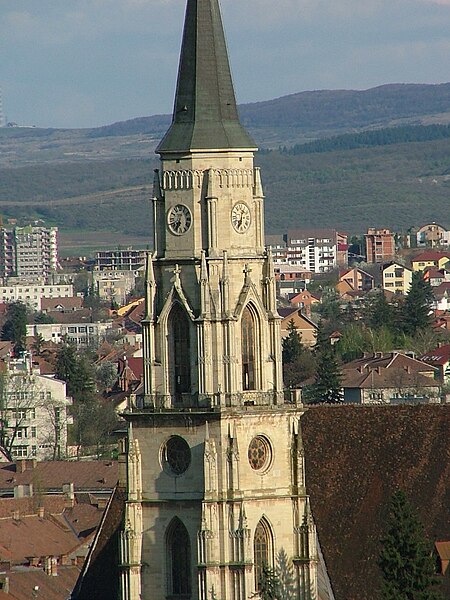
(205, 114)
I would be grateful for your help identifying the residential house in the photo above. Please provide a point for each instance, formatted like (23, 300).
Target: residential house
(357, 279)
(441, 295)
(431, 234)
(304, 300)
(436, 276)
(389, 378)
(380, 245)
(396, 278)
(34, 415)
(439, 358)
(430, 258)
(304, 325)
(61, 304)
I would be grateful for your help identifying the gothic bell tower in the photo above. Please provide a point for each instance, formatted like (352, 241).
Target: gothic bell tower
(215, 445)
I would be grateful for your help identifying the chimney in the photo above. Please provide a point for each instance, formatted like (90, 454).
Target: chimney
(51, 566)
(41, 512)
(4, 584)
(69, 493)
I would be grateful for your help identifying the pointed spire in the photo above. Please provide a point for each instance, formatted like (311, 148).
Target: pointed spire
(149, 287)
(203, 268)
(205, 114)
(258, 189)
(157, 193)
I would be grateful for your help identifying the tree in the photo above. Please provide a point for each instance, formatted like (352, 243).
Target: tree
(405, 558)
(76, 370)
(416, 309)
(15, 327)
(268, 584)
(327, 383)
(292, 344)
(298, 361)
(381, 313)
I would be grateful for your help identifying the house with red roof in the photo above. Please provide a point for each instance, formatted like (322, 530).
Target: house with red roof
(440, 359)
(430, 258)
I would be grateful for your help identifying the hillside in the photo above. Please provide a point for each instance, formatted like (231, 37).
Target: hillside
(87, 180)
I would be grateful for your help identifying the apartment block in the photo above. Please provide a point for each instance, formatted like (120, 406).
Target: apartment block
(33, 412)
(125, 259)
(28, 252)
(316, 250)
(380, 245)
(33, 295)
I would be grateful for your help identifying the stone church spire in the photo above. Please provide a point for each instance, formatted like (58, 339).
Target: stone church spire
(205, 115)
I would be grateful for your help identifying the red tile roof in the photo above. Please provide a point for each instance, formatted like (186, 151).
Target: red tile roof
(439, 356)
(356, 457)
(52, 475)
(22, 583)
(431, 255)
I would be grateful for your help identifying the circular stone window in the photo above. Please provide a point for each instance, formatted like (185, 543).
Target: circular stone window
(176, 455)
(259, 453)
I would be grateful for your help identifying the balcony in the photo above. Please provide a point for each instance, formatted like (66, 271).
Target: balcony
(213, 402)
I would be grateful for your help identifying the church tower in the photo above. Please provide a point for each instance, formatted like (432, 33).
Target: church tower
(215, 461)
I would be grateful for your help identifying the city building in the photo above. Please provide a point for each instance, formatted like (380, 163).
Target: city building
(114, 286)
(34, 415)
(86, 334)
(122, 259)
(316, 250)
(380, 245)
(28, 252)
(33, 295)
(396, 278)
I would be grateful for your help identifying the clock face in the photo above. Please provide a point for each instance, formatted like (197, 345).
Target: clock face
(240, 217)
(179, 219)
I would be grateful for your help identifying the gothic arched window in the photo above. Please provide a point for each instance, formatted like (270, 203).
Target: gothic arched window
(180, 350)
(248, 350)
(262, 549)
(178, 561)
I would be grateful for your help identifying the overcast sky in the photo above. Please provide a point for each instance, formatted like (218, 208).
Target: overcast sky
(83, 63)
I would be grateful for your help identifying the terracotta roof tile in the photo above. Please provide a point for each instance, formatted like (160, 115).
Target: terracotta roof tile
(356, 457)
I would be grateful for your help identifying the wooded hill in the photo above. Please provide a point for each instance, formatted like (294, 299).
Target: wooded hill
(397, 177)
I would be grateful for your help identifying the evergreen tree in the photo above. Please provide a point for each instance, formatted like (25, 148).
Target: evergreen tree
(415, 311)
(381, 313)
(76, 371)
(405, 559)
(298, 361)
(292, 344)
(15, 327)
(327, 383)
(268, 585)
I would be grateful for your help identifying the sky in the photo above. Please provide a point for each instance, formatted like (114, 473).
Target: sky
(86, 63)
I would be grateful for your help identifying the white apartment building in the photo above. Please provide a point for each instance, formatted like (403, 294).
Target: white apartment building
(316, 250)
(33, 412)
(83, 335)
(114, 286)
(32, 294)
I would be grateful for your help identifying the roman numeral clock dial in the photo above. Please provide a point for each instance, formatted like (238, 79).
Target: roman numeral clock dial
(179, 219)
(240, 217)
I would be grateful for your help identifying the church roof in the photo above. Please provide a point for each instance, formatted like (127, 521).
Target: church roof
(356, 457)
(205, 114)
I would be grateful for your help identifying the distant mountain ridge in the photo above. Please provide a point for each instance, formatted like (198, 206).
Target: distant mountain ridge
(321, 110)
